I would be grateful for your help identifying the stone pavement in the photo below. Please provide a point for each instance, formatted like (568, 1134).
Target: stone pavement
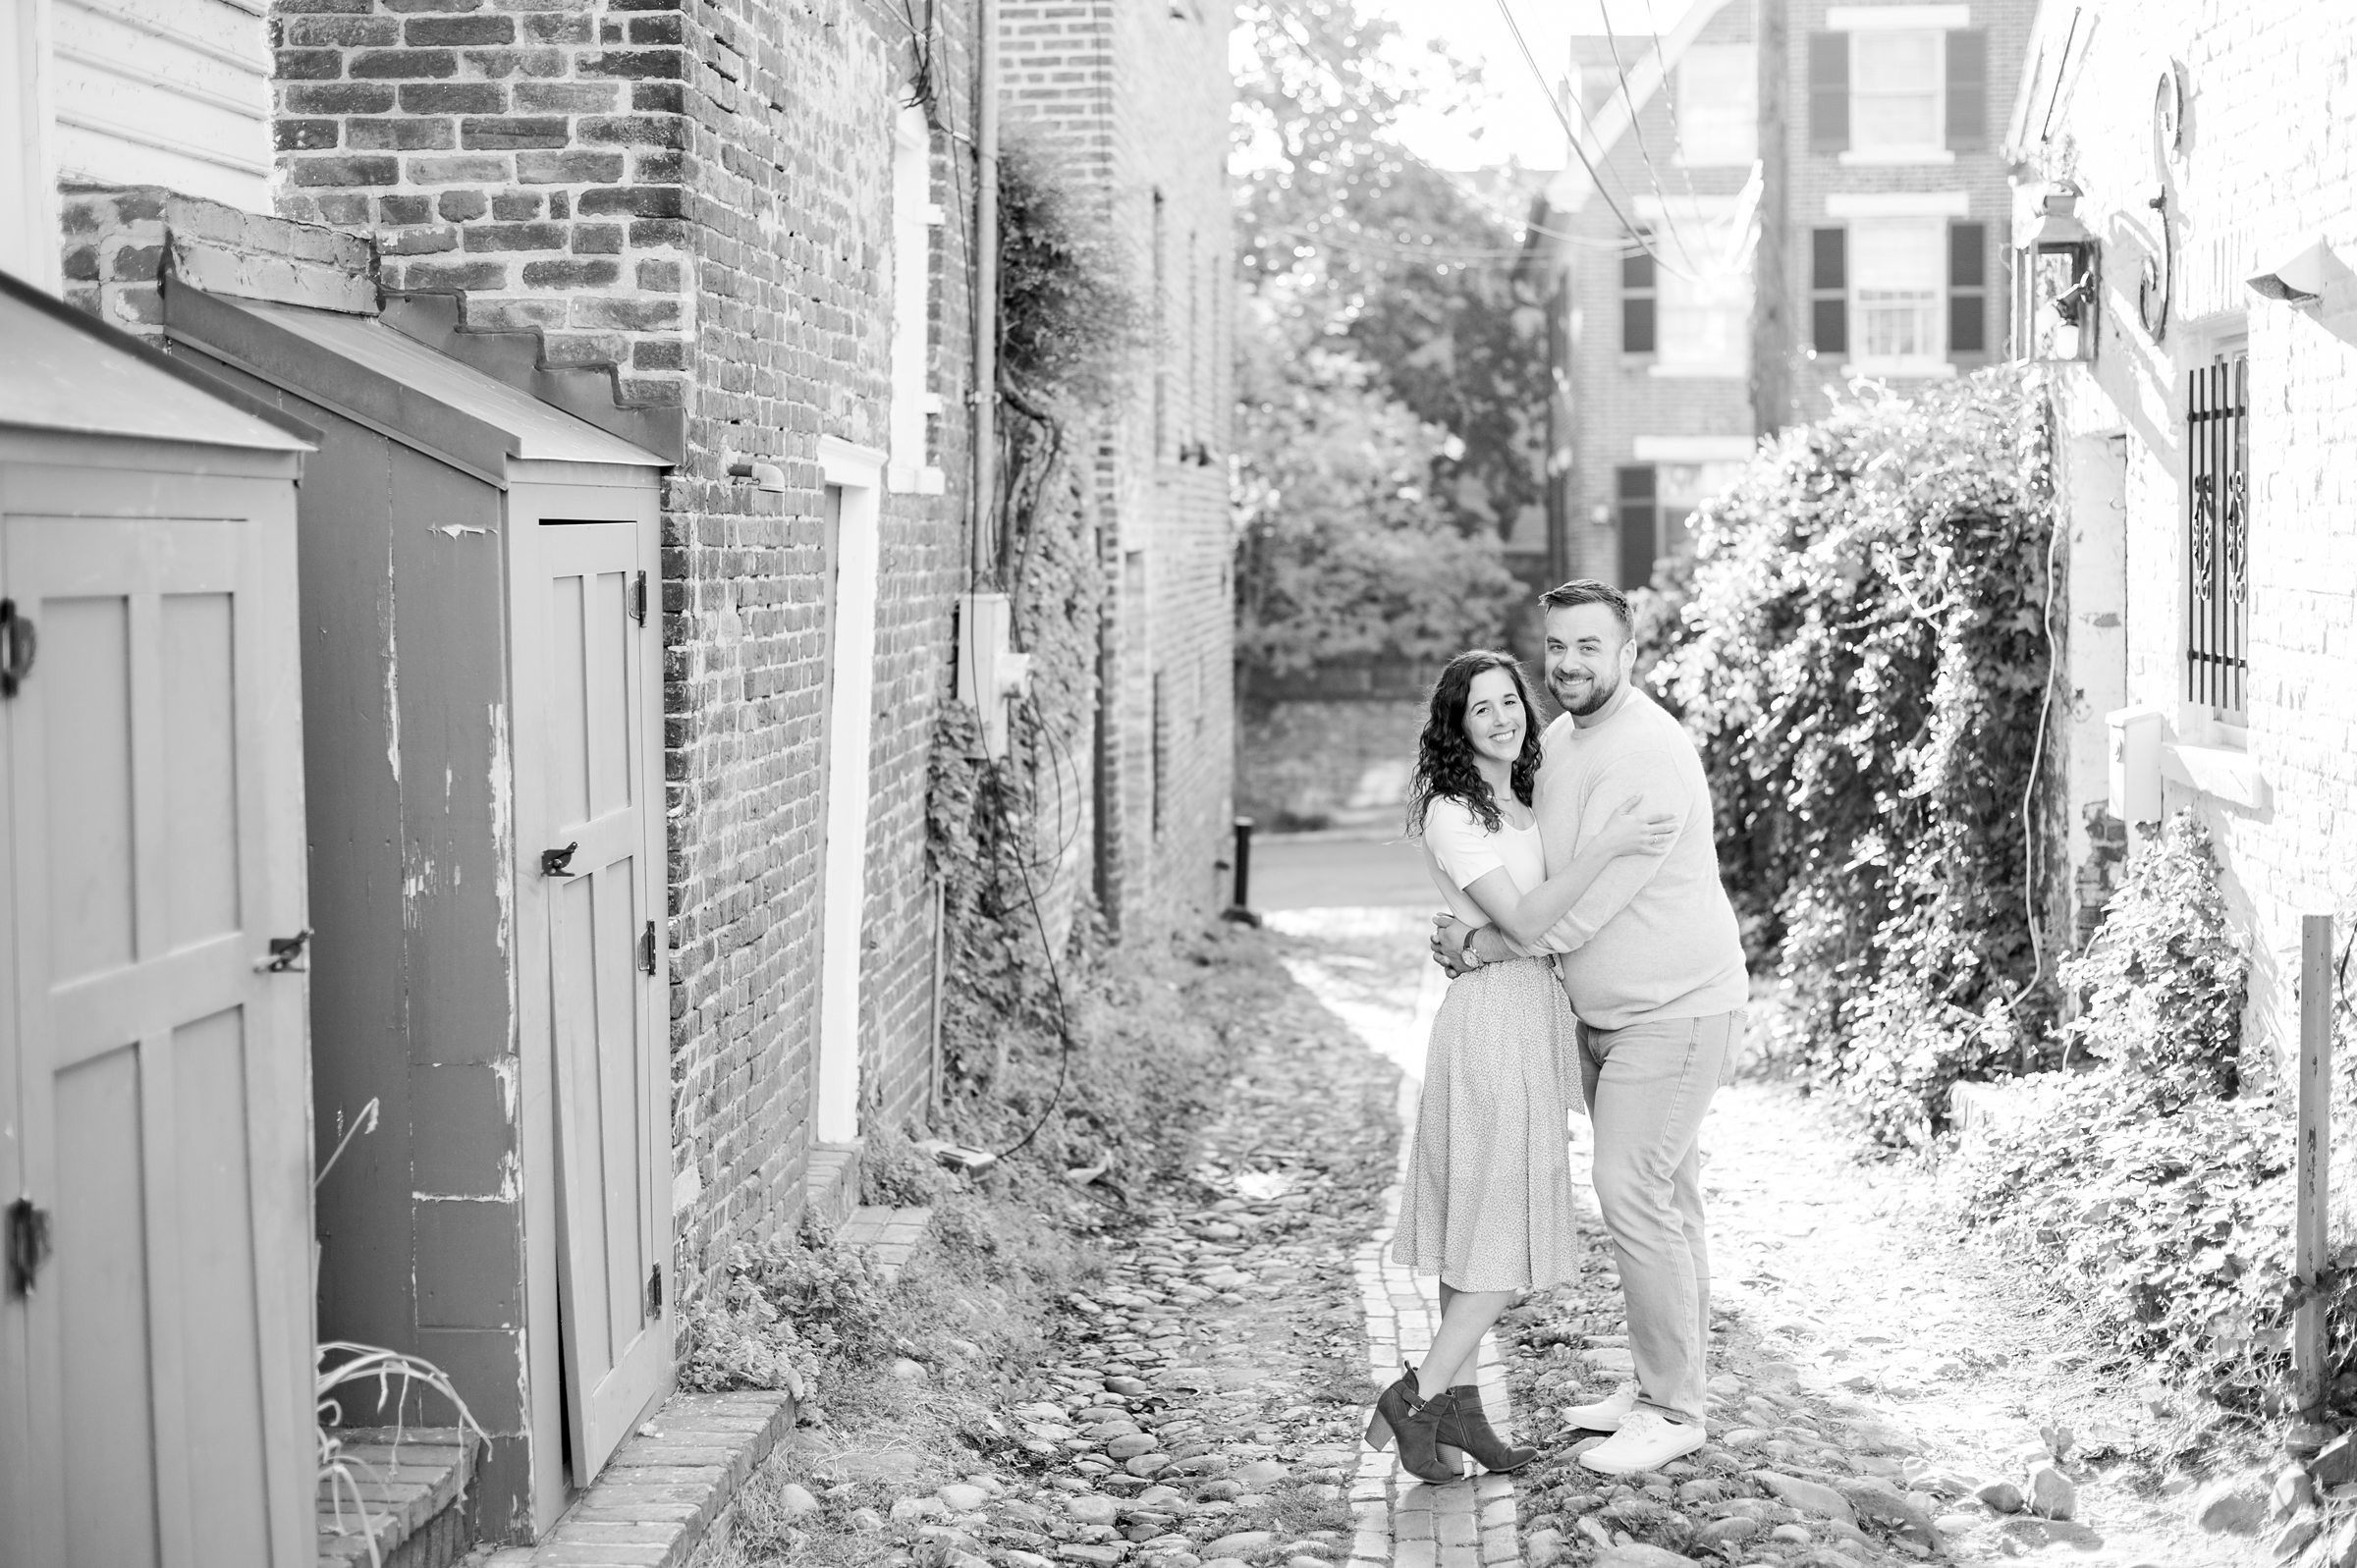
(1398, 1520)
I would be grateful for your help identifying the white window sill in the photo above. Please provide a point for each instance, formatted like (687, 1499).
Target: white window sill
(1901, 370)
(1697, 372)
(1886, 157)
(903, 481)
(2218, 772)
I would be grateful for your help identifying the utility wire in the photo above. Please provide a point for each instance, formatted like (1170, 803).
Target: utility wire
(1637, 235)
(1660, 63)
(1636, 129)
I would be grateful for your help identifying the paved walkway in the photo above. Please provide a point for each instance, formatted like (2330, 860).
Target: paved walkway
(1400, 1521)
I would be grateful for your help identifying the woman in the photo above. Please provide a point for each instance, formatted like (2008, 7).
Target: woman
(1487, 1203)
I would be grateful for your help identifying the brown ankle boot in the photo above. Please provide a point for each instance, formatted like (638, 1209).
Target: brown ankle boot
(1416, 1424)
(1467, 1426)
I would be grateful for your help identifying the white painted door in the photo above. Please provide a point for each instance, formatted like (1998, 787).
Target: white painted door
(155, 1368)
(597, 764)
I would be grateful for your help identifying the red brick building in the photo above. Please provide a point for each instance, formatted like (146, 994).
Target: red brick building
(728, 247)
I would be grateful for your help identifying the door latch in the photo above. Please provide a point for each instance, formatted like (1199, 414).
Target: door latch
(654, 1291)
(17, 644)
(286, 955)
(637, 604)
(28, 1245)
(554, 862)
(646, 949)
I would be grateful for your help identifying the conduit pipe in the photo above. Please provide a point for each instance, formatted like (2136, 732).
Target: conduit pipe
(986, 295)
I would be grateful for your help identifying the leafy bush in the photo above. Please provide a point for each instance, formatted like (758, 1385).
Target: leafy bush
(2165, 981)
(1863, 657)
(801, 1314)
(2161, 1207)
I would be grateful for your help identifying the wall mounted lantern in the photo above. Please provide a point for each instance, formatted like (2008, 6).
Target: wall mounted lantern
(2056, 279)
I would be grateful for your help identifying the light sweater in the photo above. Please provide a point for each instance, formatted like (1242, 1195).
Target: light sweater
(1653, 937)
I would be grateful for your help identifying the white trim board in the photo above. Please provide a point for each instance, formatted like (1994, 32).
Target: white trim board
(858, 472)
(1898, 205)
(1693, 449)
(1896, 19)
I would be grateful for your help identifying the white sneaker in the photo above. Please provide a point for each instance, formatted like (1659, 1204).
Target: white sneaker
(1646, 1441)
(1605, 1414)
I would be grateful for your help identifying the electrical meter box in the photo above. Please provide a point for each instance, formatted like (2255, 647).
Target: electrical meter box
(2135, 735)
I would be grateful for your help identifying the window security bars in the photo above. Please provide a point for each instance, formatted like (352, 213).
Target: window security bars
(2217, 589)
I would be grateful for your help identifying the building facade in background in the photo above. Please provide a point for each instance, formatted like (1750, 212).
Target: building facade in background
(1792, 195)
(1132, 102)
(2201, 393)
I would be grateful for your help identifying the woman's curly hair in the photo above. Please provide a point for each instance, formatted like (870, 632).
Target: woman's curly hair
(1445, 758)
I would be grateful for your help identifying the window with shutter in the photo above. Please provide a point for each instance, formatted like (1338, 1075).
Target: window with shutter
(1895, 92)
(1829, 290)
(1829, 92)
(1637, 298)
(1967, 288)
(1638, 517)
(1967, 90)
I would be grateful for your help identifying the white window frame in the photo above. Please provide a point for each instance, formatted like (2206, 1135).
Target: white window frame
(1930, 360)
(1706, 225)
(1933, 150)
(913, 218)
(1704, 111)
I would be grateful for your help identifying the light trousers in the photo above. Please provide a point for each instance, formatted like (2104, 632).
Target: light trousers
(1647, 1088)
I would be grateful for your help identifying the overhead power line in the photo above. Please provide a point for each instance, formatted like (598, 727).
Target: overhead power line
(1636, 129)
(1506, 9)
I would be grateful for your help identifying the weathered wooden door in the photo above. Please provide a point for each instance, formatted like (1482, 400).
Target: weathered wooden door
(155, 1402)
(589, 743)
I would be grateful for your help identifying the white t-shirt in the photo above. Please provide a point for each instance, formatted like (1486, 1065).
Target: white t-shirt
(1461, 851)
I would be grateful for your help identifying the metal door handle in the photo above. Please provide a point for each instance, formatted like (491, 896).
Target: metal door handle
(286, 955)
(28, 1245)
(554, 862)
(17, 633)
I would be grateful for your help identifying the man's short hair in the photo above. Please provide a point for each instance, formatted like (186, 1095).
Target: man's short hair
(1589, 591)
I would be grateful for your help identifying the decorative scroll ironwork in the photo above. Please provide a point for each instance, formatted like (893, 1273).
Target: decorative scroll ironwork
(2218, 590)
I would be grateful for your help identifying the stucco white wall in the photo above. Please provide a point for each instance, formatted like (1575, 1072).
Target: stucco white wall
(2268, 163)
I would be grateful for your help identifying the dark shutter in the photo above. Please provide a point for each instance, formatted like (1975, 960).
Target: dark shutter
(1639, 523)
(1829, 92)
(1968, 89)
(1636, 302)
(1967, 288)
(1829, 290)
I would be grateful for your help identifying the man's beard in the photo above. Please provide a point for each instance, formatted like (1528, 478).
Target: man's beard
(1601, 691)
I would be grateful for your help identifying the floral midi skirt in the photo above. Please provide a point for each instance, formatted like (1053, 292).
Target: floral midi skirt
(1488, 1202)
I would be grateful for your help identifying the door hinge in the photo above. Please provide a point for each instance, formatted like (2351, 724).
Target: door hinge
(17, 643)
(646, 949)
(28, 1245)
(654, 1291)
(637, 599)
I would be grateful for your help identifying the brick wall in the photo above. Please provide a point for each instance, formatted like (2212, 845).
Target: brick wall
(1135, 97)
(2263, 171)
(699, 195)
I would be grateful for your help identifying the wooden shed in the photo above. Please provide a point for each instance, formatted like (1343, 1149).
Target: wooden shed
(483, 642)
(155, 1326)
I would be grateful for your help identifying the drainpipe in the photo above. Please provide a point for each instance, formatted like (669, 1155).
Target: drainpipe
(986, 295)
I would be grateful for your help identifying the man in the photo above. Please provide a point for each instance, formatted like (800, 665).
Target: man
(1652, 963)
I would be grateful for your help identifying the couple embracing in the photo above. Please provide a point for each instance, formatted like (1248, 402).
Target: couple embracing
(1593, 953)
